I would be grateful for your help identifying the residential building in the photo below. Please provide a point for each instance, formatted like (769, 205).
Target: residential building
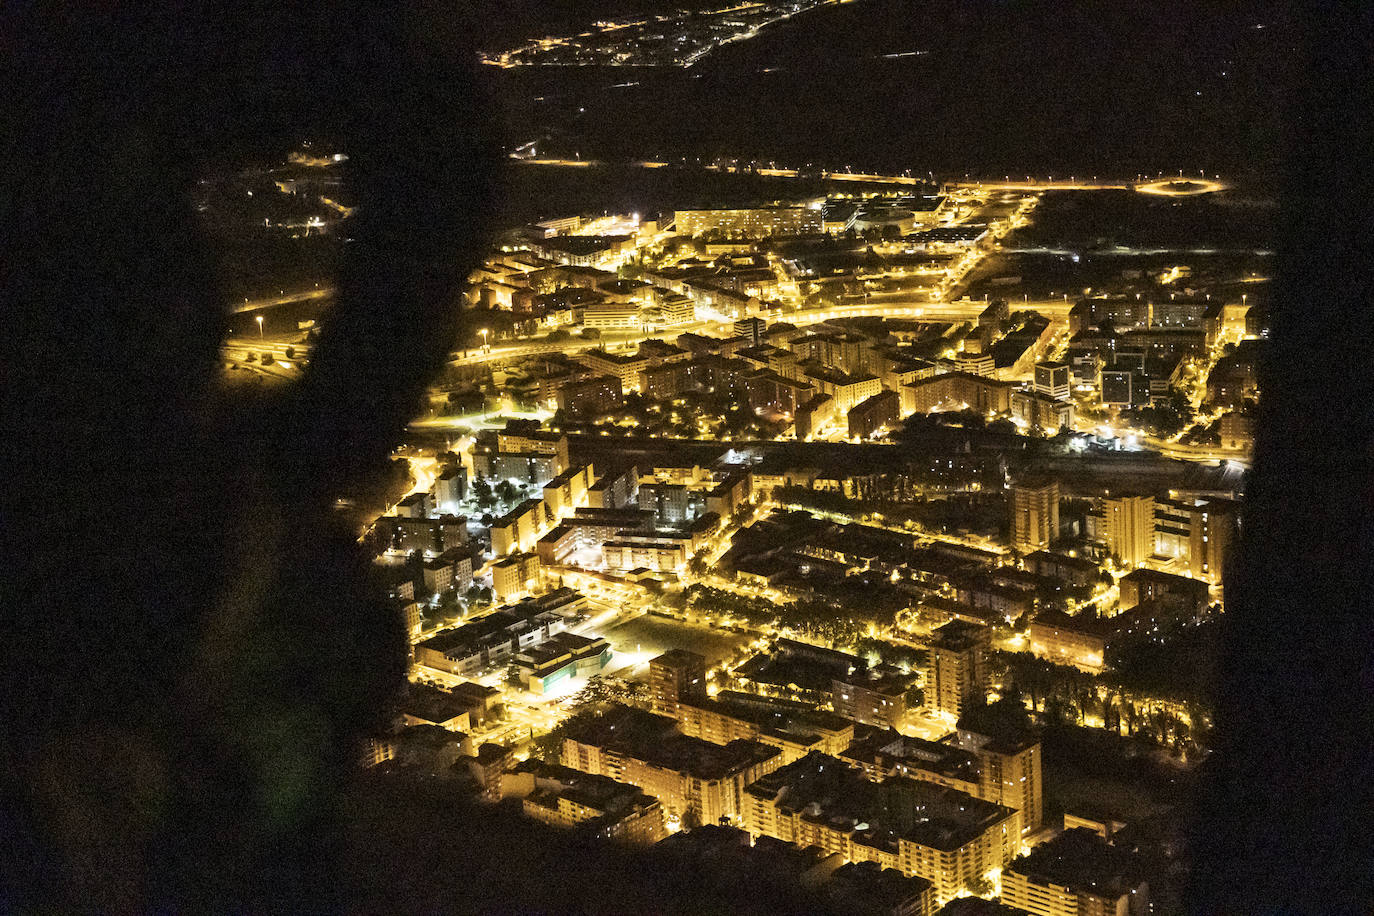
(644, 552)
(1237, 431)
(414, 505)
(845, 390)
(1197, 533)
(697, 782)
(793, 729)
(515, 576)
(584, 399)
(1041, 411)
(450, 569)
(1053, 379)
(1079, 572)
(942, 835)
(428, 535)
(956, 669)
(1034, 514)
(957, 391)
(1144, 585)
(1009, 754)
(612, 315)
(1080, 641)
(675, 676)
(868, 889)
(519, 529)
(450, 487)
(624, 366)
(596, 805)
(750, 222)
(1075, 874)
(871, 698)
(568, 491)
(1125, 524)
(772, 394)
(489, 641)
(879, 412)
(615, 489)
(751, 328)
(671, 503)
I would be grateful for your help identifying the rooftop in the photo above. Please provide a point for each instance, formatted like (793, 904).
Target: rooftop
(1081, 860)
(891, 751)
(654, 740)
(513, 515)
(582, 244)
(957, 636)
(432, 704)
(866, 887)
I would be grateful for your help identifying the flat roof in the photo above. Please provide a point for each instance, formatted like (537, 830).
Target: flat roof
(1081, 860)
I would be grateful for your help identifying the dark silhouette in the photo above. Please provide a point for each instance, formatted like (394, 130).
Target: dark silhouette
(190, 645)
(1283, 827)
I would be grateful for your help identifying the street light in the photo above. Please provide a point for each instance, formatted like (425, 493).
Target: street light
(259, 327)
(483, 332)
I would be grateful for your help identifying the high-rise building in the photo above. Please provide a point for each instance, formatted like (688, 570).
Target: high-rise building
(956, 669)
(751, 328)
(1034, 514)
(1127, 527)
(1197, 532)
(449, 488)
(1008, 751)
(515, 576)
(1052, 378)
(674, 676)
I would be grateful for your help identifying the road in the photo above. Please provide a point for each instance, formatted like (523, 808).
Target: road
(323, 292)
(1174, 187)
(903, 307)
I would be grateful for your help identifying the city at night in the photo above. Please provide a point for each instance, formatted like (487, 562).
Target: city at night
(855, 457)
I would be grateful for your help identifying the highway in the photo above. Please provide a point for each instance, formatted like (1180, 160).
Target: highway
(323, 292)
(1172, 187)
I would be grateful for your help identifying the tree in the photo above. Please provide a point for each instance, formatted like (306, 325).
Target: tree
(290, 352)
(1002, 425)
(505, 491)
(980, 885)
(482, 490)
(591, 333)
(558, 335)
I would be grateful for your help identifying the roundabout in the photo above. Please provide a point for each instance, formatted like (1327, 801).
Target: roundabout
(1180, 187)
